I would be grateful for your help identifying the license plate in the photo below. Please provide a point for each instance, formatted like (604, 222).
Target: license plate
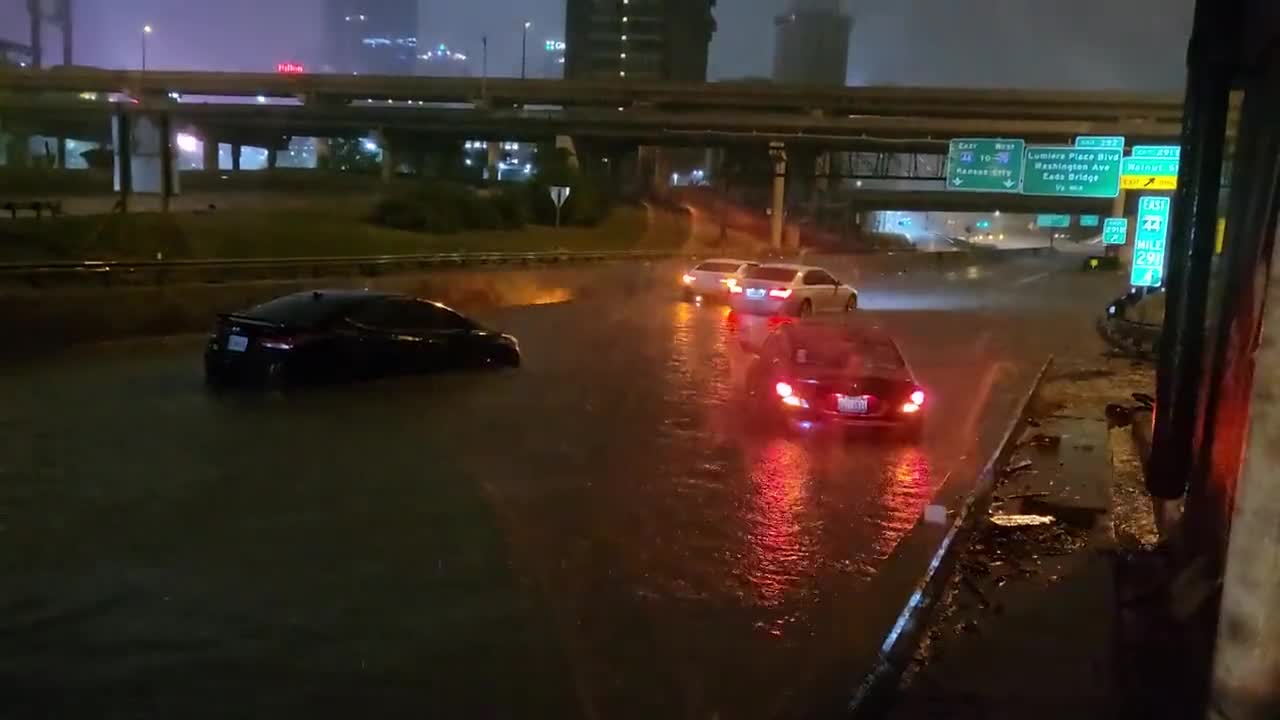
(852, 405)
(237, 343)
(755, 293)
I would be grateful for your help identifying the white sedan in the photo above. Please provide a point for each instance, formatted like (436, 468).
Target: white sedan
(712, 278)
(791, 290)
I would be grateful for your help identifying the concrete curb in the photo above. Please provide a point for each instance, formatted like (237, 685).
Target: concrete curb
(875, 695)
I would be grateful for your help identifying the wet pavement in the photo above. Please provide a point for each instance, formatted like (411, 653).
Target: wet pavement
(601, 533)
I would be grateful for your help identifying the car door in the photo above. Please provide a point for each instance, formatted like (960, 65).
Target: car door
(818, 290)
(396, 336)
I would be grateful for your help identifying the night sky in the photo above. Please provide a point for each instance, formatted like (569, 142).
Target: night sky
(1135, 45)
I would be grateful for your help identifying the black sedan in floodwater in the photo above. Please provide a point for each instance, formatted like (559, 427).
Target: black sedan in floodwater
(344, 334)
(846, 374)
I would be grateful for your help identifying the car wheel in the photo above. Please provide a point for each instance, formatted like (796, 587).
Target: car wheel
(805, 309)
(852, 303)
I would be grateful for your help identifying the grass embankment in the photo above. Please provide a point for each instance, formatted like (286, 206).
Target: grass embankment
(335, 228)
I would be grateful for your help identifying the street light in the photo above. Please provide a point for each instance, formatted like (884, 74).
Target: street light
(524, 48)
(146, 30)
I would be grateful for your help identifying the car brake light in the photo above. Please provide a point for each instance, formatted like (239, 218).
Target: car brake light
(795, 401)
(278, 343)
(783, 293)
(735, 289)
(688, 279)
(910, 408)
(730, 281)
(917, 397)
(784, 389)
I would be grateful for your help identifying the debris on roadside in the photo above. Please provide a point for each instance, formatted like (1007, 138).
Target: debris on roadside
(1018, 520)
(1040, 440)
(1016, 465)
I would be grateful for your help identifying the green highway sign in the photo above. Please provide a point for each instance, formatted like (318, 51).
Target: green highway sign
(1115, 231)
(1171, 152)
(1149, 240)
(1143, 173)
(1072, 172)
(1090, 220)
(985, 165)
(1101, 142)
(1053, 221)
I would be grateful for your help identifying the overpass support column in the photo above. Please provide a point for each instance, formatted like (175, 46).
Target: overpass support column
(168, 164)
(822, 172)
(495, 157)
(236, 148)
(388, 157)
(778, 216)
(124, 160)
(210, 152)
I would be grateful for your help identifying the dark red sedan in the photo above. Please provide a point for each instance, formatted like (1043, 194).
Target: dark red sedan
(836, 374)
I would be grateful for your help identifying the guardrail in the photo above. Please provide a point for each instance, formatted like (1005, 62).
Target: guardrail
(135, 272)
(106, 273)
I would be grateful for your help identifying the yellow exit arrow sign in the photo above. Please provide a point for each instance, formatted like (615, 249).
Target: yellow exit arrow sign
(1149, 182)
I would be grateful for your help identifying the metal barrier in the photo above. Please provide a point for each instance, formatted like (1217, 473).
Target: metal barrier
(165, 272)
(109, 272)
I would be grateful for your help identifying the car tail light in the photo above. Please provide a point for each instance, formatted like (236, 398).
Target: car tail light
(917, 397)
(784, 390)
(783, 293)
(795, 401)
(688, 279)
(910, 408)
(279, 342)
(730, 281)
(736, 289)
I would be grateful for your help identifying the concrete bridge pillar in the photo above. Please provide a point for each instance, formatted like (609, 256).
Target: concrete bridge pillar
(210, 154)
(495, 157)
(236, 149)
(324, 153)
(388, 157)
(778, 217)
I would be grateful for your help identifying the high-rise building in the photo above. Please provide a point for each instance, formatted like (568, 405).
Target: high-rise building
(638, 39)
(371, 37)
(812, 43)
(552, 60)
(439, 60)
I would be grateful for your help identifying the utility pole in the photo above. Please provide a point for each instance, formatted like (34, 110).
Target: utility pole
(35, 15)
(484, 66)
(524, 49)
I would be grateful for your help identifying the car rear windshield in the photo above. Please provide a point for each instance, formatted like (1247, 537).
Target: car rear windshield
(772, 273)
(718, 267)
(303, 309)
(868, 357)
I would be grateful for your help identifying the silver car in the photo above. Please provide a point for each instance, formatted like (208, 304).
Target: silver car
(712, 278)
(798, 290)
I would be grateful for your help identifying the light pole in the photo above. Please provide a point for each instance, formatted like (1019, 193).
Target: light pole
(524, 48)
(146, 31)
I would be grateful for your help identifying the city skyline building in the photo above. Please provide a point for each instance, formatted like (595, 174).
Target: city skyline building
(638, 39)
(371, 37)
(811, 43)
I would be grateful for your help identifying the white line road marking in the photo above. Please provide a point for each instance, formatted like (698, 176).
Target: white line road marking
(1031, 278)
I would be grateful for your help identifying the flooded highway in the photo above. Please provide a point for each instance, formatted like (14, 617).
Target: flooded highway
(602, 533)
